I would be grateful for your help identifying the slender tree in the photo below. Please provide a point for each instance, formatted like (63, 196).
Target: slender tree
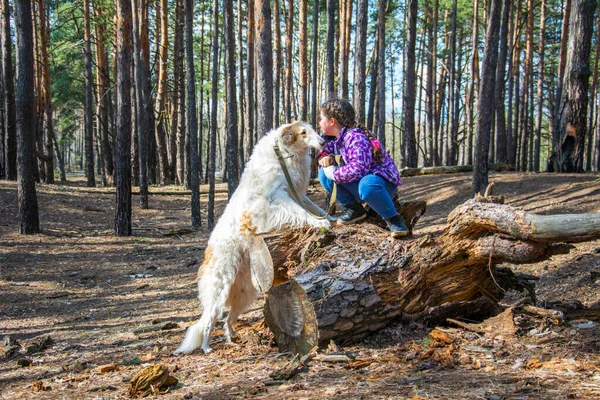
(231, 100)
(250, 79)
(501, 134)
(485, 107)
(89, 108)
(303, 65)
(123, 159)
(177, 102)
(314, 62)
(25, 117)
(264, 67)
(192, 123)
(381, 71)
(540, 90)
(9, 94)
(408, 119)
(360, 61)
(103, 83)
(142, 120)
(212, 150)
(287, 103)
(161, 92)
(330, 74)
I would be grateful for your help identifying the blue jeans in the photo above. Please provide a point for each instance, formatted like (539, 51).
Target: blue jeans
(372, 189)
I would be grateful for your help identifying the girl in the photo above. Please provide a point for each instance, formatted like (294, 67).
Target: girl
(366, 172)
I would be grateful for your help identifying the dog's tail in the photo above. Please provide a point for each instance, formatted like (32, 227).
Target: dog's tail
(193, 339)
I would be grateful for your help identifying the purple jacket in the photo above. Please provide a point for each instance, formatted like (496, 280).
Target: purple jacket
(357, 158)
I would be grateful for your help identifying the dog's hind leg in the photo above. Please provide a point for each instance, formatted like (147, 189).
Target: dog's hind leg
(213, 290)
(241, 297)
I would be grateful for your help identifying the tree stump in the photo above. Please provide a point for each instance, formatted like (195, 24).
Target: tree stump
(347, 282)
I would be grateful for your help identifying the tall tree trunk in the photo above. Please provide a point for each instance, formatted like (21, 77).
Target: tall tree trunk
(381, 71)
(330, 74)
(501, 139)
(540, 90)
(303, 65)
(123, 166)
(345, 54)
(89, 110)
(178, 91)
(575, 84)
(231, 100)
(103, 81)
(287, 104)
(9, 94)
(360, 60)
(25, 119)
(240, 87)
(45, 98)
(192, 123)
(474, 82)
(250, 79)
(264, 67)
(143, 119)
(559, 101)
(452, 156)
(485, 104)
(161, 91)
(314, 63)
(212, 150)
(408, 118)
(278, 64)
(593, 125)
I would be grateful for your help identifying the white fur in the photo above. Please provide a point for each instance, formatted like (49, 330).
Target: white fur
(235, 257)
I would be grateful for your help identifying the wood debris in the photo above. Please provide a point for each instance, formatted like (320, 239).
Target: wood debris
(153, 379)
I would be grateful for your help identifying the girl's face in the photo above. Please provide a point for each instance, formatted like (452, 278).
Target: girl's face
(329, 126)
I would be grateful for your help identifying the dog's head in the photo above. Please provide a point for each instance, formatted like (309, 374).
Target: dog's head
(299, 135)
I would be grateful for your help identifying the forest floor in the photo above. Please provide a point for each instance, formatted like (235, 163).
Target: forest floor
(97, 296)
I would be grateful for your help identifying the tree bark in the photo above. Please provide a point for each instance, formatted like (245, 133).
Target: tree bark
(9, 94)
(264, 67)
(540, 90)
(485, 104)
(123, 159)
(89, 110)
(330, 52)
(501, 133)
(231, 100)
(212, 150)
(381, 71)
(192, 123)
(574, 101)
(408, 118)
(103, 81)
(360, 61)
(161, 94)
(25, 119)
(303, 65)
(360, 287)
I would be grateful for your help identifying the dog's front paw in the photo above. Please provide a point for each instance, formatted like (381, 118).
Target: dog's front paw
(206, 349)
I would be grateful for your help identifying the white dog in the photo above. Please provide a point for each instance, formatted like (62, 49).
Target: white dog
(237, 263)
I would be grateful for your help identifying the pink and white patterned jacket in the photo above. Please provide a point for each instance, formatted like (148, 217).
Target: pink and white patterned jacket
(357, 158)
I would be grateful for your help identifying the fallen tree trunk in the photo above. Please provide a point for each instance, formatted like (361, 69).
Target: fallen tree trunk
(353, 280)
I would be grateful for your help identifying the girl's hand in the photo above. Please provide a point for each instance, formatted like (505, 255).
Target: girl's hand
(326, 161)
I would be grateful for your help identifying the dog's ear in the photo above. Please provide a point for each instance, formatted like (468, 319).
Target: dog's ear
(288, 136)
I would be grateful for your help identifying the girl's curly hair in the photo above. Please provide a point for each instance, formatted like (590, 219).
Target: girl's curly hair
(342, 111)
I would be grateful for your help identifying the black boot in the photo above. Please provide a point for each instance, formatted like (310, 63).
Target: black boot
(396, 226)
(352, 213)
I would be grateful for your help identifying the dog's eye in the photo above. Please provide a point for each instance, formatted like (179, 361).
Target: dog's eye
(303, 133)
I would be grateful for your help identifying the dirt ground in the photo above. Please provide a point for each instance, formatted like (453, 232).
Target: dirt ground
(97, 296)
